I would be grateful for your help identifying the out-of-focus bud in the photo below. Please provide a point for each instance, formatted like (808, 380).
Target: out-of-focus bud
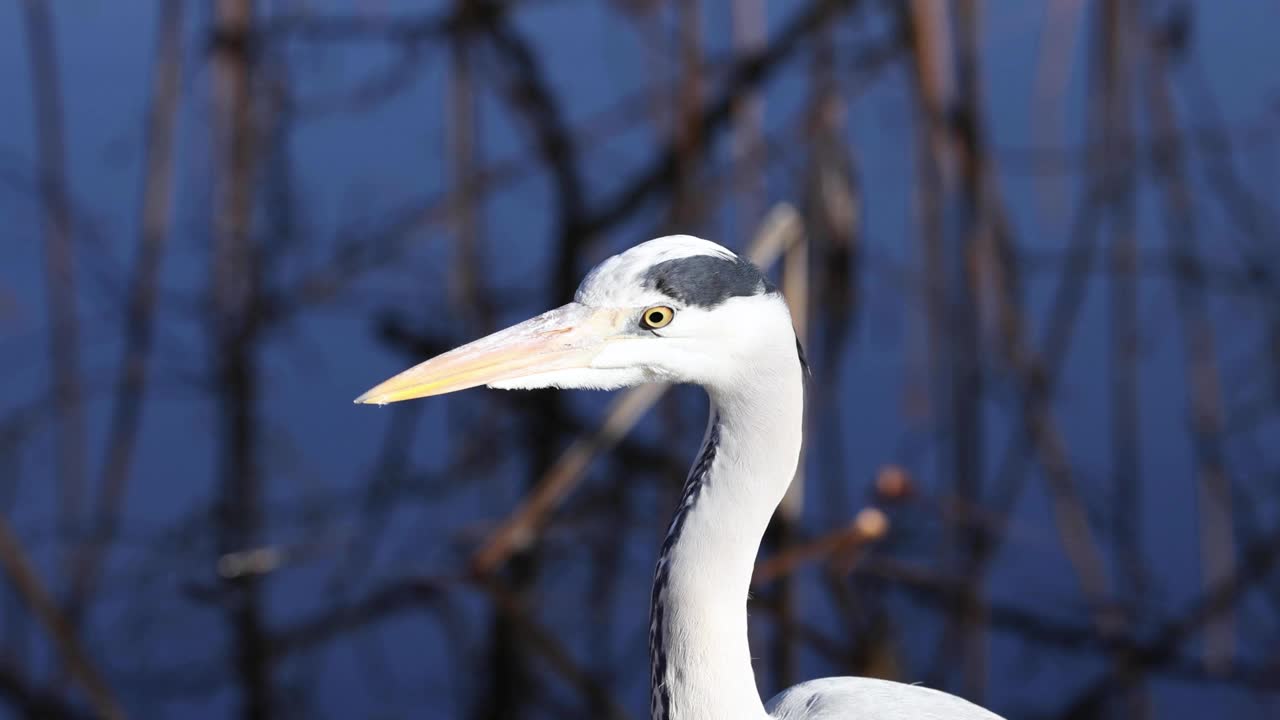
(871, 523)
(893, 483)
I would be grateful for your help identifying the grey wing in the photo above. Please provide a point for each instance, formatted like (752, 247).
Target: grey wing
(857, 698)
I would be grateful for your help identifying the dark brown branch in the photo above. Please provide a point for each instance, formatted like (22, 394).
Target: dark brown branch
(17, 565)
(410, 595)
(1114, 71)
(466, 290)
(367, 27)
(32, 700)
(953, 179)
(60, 265)
(1214, 499)
(234, 282)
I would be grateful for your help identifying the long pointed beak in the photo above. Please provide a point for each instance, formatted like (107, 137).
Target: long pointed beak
(568, 337)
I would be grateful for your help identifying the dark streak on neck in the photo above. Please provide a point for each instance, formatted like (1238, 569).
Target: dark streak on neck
(660, 697)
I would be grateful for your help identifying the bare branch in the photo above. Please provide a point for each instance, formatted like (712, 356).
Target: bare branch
(234, 286)
(60, 265)
(130, 387)
(17, 565)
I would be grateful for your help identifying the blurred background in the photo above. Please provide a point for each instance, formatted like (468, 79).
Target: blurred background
(1031, 248)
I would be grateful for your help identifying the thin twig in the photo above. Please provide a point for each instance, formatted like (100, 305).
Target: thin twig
(1114, 73)
(867, 527)
(60, 266)
(234, 280)
(33, 701)
(17, 565)
(130, 386)
(1214, 495)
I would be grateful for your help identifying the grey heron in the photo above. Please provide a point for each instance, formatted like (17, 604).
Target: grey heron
(685, 310)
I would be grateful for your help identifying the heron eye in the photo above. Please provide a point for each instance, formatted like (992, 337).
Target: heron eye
(658, 316)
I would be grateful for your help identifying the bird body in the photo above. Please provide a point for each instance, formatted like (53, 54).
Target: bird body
(858, 698)
(683, 309)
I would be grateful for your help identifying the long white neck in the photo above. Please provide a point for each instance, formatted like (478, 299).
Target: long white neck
(699, 657)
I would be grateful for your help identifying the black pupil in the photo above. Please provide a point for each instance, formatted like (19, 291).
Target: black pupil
(655, 317)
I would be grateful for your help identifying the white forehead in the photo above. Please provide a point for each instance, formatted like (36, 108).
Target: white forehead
(618, 280)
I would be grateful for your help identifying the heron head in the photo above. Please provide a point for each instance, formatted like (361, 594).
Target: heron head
(675, 309)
